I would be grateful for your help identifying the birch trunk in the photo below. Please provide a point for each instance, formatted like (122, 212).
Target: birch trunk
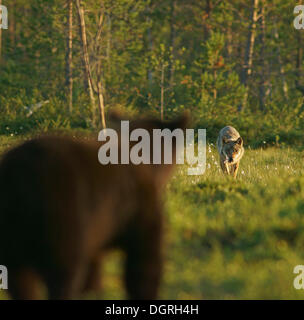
(1, 36)
(229, 40)
(247, 67)
(281, 66)
(109, 43)
(69, 55)
(86, 59)
(162, 89)
(99, 68)
(263, 82)
(150, 48)
(209, 7)
(101, 105)
(172, 41)
(12, 23)
(299, 86)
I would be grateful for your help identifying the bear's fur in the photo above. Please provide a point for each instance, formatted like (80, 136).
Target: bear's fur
(60, 210)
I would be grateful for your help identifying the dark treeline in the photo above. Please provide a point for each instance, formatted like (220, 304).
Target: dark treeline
(236, 61)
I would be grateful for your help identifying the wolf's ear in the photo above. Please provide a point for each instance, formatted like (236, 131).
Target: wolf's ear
(239, 141)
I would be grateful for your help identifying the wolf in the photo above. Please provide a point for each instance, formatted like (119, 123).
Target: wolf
(61, 211)
(231, 150)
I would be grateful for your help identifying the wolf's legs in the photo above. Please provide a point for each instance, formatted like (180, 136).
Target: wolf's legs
(225, 167)
(144, 258)
(236, 168)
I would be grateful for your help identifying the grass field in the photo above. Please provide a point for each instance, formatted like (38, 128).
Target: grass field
(228, 239)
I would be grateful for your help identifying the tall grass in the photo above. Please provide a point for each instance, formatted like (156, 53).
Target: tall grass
(229, 239)
(232, 239)
(237, 239)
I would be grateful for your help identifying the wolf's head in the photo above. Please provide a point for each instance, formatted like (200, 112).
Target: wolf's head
(233, 150)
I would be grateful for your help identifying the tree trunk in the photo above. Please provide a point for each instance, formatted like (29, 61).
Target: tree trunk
(162, 89)
(214, 84)
(299, 61)
(150, 49)
(109, 43)
(206, 17)
(99, 69)
(101, 105)
(69, 54)
(3, 24)
(12, 24)
(281, 66)
(247, 67)
(86, 59)
(1, 34)
(172, 41)
(229, 40)
(263, 82)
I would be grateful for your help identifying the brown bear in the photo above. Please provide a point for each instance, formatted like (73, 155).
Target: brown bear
(61, 210)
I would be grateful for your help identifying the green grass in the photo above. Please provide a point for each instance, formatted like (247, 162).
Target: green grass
(237, 239)
(231, 239)
(228, 239)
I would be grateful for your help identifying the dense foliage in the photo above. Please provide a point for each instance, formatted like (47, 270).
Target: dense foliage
(173, 54)
(236, 62)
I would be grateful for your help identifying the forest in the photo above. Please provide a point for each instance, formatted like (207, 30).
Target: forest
(67, 63)
(64, 65)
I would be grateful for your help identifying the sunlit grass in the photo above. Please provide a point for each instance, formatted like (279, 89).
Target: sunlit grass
(225, 238)
(234, 239)
(238, 239)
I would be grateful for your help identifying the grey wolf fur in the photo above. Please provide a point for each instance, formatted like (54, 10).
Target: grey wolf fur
(230, 149)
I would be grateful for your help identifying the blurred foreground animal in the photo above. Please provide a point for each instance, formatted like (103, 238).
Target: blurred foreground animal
(230, 148)
(60, 210)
